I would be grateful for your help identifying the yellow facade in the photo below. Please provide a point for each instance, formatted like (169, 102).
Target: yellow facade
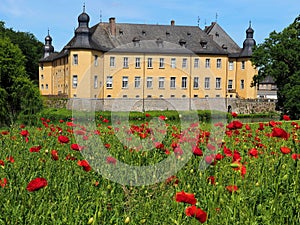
(93, 73)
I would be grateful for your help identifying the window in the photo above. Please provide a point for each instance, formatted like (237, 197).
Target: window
(75, 59)
(206, 82)
(149, 82)
(218, 83)
(230, 82)
(46, 86)
(219, 63)
(195, 96)
(42, 66)
(161, 63)
(125, 62)
(217, 96)
(42, 77)
(149, 96)
(150, 63)
(125, 82)
(161, 82)
(184, 82)
(173, 63)
(184, 63)
(231, 65)
(196, 63)
(196, 83)
(109, 82)
(42, 87)
(75, 81)
(112, 61)
(124, 96)
(137, 82)
(242, 84)
(96, 60)
(172, 96)
(243, 65)
(207, 63)
(173, 82)
(95, 81)
(137, 62)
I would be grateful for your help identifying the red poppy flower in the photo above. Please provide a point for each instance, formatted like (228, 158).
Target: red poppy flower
(147, 115)
(285, 150)
(236, 124)
(76, 147)
(5, 132)
(173, 179)
(197, 151)
(186, 198)
(286, 118)
(3, 182)
(198, 213)
(105, 120)
(111, 160)
(295, 156)
(234, 114)
(63, 139)
(253, 152)
(279, 132)
(107, 145)
(2, 163)
(162, 117)
(11, 159)
(85, 165)
(35, 148)
(24, 133)
(54, 155)
(232, 188)
(272, 123)
(37, 184)
(211, 180)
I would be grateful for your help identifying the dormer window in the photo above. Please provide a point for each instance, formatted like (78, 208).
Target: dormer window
(143, 32)
(188, 34)
(136, 41)
(121, 32)
(182, 42)
(159, 42)
(224, 46)
(203, 44)
(167, 33)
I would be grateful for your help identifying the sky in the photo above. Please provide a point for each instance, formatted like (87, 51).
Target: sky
(60, 16)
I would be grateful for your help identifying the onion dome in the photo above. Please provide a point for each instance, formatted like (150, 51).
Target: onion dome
(249, 43)
(48, 48)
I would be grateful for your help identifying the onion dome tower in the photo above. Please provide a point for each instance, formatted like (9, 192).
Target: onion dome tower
(249, 42)
(48, 48)
(82, 32)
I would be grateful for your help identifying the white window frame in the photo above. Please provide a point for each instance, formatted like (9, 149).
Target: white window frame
(95, 81)
(231, 65)
(125, 62)
(172, 82)
(173, 62)
(184, 82)
(218, 82)
(230, 85)
(149, 63)
(184, 63)
(137, 82)
(207, 63)
(109, 81)
(196, 63)
(74, 81)
(207, 83)
(242, 84)
(161, 82)
(149, 82)
(125, 82)
(75, 59)
(219, 63)
(137, 62)
(196, 83)
(161, 63)
(112, 61)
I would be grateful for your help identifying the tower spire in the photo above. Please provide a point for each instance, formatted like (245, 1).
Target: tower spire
(84, 7)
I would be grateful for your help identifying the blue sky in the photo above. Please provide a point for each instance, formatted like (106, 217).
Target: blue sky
(60, 16)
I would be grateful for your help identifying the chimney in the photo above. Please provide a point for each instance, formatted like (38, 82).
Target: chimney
(112, 26)
(172, 22)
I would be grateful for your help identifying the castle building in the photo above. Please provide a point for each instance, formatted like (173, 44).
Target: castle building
(143, 61)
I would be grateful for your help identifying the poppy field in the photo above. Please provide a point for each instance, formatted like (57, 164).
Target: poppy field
(69, 172)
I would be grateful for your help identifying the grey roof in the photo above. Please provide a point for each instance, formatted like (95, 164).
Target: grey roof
(267, 80)
(154, 38)
(222, 38)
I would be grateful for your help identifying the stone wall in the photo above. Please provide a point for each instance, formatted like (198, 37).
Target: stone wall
(241, 106)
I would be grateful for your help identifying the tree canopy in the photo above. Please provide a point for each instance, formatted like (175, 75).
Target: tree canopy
(19, 96)
(279, 57)
(30, 47)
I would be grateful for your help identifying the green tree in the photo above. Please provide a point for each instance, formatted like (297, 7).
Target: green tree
(19, 97)
(30, 47)
(279, 57)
